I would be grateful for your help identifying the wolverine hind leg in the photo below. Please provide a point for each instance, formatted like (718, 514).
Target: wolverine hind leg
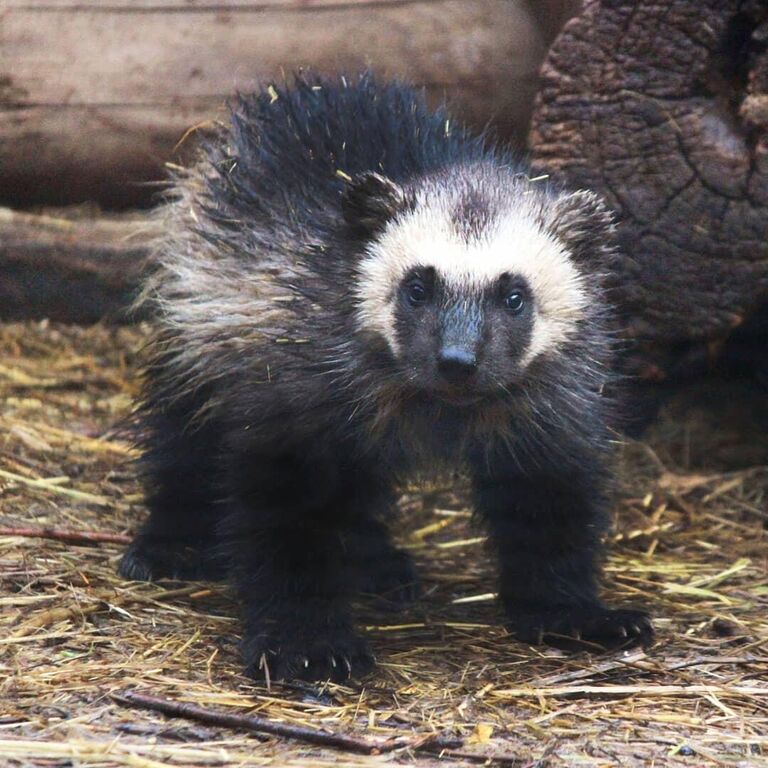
(179, 540)
(382, 569)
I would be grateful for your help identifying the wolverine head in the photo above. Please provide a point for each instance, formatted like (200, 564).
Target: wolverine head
(470, 276)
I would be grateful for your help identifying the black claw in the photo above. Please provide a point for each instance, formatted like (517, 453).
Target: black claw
(314, 660)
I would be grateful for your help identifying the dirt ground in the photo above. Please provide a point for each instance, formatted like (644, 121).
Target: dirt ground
(452, 687)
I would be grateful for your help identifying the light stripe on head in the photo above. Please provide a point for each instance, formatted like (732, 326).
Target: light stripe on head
(511, 242)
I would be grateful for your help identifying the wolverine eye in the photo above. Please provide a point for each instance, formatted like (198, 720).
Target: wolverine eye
(514, 302)
(416, 293)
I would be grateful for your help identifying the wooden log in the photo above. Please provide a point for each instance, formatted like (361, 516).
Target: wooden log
(73, 268)
(95, 94)
(663, 108)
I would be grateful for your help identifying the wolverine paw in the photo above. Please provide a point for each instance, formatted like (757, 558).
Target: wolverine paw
(338, 657)
(584, 628)
(150, 557)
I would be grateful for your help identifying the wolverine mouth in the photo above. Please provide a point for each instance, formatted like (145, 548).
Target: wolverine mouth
(459, 397)
(462, 399)
(430, 397)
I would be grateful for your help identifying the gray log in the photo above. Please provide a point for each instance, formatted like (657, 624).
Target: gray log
(96, 94)
(73, 269)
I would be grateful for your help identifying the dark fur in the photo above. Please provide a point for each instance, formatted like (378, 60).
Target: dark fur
(272, 445)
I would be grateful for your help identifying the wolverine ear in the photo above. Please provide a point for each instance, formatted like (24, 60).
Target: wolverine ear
(370, 201)
(584, 224)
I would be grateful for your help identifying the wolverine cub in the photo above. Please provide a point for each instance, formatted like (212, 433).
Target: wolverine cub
(351, 289)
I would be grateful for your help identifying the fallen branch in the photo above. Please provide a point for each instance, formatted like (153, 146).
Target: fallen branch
(73, 537)
(263, 725)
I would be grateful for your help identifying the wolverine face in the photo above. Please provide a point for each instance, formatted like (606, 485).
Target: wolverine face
(462, 344)
(466, 279)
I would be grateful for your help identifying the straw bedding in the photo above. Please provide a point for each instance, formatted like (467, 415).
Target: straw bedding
(452, 687)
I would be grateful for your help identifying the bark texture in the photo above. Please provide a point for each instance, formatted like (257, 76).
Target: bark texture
(663, 108)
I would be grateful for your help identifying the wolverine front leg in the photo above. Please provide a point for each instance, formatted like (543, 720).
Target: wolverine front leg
(546, 530)
(288, 535)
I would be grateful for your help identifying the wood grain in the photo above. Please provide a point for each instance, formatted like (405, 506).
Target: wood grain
(95, 96)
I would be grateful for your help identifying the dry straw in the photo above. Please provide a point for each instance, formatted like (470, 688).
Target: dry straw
(80, 649)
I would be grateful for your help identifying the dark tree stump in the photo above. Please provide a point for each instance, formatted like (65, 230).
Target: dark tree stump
(663, 108)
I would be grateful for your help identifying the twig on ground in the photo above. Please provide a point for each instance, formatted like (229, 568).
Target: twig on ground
(263, 725)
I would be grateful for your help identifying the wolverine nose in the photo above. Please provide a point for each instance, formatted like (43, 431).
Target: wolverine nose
(456, 364)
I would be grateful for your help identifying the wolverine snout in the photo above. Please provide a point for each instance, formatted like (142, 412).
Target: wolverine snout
(456, 364)
(462, 337)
